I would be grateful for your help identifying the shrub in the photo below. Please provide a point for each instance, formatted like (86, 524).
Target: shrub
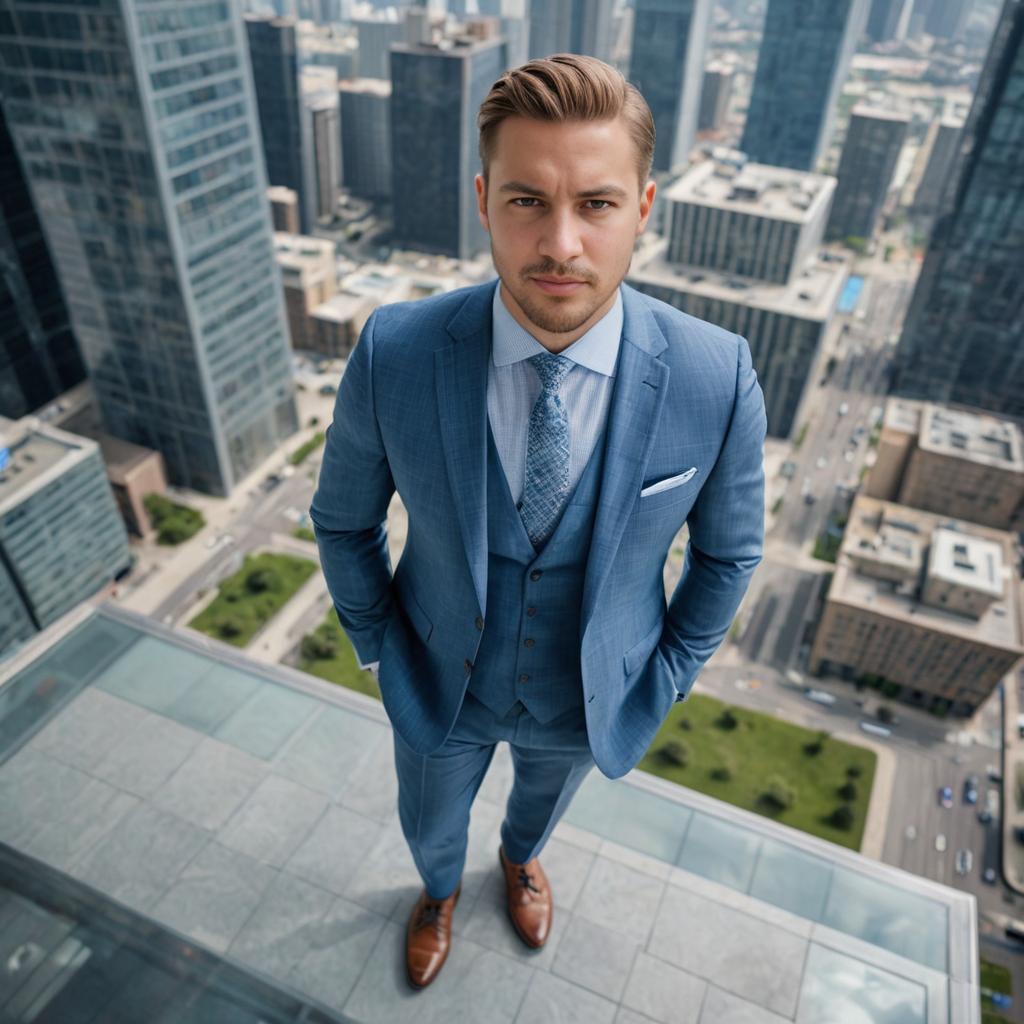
(262, 579)
(884, 713)
(723, 773)
(779, 794)
(842, 817)
(675, 752)
(319, 647)
(727, 720)
(685, 723)
(853, 771)
(229, 626)
(848, 791)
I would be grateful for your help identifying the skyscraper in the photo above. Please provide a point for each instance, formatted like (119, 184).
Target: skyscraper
(366, 137)
(136, 127)
(873, 143)
(436, 91)
(961, 341)
(273, 51)
(571, 26)
(943, 139)
(715, 95)
(39, 357)
(321, 139)
(805, 55)
(888, 19)
(667, 66)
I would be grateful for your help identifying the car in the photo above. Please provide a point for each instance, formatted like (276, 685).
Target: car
(940, 843)
(964, 862)
(991, 808)
(819, 696)
(993, 773)
(971, 789)
(946, 796)
(328, 389)
(844, 408)
(809, 498)
(848, 455)
(988, 876)
(911, 832)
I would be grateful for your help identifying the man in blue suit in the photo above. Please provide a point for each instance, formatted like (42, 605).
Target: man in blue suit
(549, 434)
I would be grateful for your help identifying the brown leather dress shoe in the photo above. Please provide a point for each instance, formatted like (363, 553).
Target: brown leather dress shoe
(428, 937)
(529, 899)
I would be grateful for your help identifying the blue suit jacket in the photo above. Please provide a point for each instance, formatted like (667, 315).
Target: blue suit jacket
(411, 415)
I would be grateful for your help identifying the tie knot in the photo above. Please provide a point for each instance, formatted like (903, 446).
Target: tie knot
(551, 369)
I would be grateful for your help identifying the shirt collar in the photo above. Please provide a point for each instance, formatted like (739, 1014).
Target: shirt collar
(596, 350)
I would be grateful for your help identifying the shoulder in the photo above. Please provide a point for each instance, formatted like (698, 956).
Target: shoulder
(423, 323)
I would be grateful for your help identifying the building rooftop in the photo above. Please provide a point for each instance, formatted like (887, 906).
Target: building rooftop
(221, 812)
(36, 454)
(865, 109)
(973, 436)
(303, 256)
(760, 190)
(373, 86)
(342, 308)
(810, 294)
(882, 558)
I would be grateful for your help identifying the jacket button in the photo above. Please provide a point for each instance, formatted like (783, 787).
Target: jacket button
(524, 678)
(479, 623)
(531, 612)
(529, 642)
(468, 666)
(535, 575)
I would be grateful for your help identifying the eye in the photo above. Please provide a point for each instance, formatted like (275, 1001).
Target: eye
(604, 204)
(525, 202)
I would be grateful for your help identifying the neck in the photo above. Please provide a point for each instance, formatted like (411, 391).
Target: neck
(554, 342)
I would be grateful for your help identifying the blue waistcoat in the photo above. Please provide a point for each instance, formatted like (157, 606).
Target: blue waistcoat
(530, 647)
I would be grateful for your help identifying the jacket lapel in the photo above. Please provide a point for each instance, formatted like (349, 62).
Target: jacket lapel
(460, 374)
(635, 408)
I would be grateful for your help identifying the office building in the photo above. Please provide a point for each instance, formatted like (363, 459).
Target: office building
(783, 323)
(925, 606)
(667, 66)
(941, 144)
(715, 96)
(330, 46)
(366, 137)
(752, 221)
(376, 32)
(957, 462)
(436, 91)
(321, 140)
(61, 535)
(571, 26)
(945, 19)
(888, 19)
(334, 325)
(874, 139)
(161, 234)
(961, 339)
(273, 50)
(801, 66)
(309, 277)
(284, 208)
(39, 356)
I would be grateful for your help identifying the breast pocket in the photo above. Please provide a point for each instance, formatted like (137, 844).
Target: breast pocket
(669, 493)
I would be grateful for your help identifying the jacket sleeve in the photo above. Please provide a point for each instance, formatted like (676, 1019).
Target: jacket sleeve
(726, 540)
(349, 508)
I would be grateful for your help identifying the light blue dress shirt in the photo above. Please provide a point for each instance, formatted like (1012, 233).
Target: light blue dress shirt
(513, 387)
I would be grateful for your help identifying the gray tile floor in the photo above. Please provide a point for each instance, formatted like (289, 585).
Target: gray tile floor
(260, 821)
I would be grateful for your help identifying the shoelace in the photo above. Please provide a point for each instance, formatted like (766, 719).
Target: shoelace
(526, 880)
(429, 914)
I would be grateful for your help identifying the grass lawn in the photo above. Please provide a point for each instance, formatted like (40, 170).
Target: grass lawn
(304, 533)
(327, 653)
(996, 978)
(251, 597)
(762, 755)
(303, 450)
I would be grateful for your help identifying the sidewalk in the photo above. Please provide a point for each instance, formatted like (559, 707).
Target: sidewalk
(1012, 758)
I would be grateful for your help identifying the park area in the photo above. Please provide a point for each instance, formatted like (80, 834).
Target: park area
(247, 600)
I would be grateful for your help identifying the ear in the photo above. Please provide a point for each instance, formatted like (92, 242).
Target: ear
(481, 201)
(646, 202)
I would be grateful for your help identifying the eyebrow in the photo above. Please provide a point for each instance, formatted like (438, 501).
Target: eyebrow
(590, 193)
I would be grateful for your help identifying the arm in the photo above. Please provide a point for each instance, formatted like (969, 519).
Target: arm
(726, 537)
(350, 507)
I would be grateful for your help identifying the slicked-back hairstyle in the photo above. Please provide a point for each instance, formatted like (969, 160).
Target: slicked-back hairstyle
(567, 87)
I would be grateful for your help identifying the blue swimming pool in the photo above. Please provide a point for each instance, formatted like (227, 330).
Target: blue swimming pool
(851, 293)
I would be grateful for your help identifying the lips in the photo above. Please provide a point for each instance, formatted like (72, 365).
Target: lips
(558, 285)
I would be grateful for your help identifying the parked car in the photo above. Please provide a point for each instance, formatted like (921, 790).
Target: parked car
(971, 789)
(964, 862)
(940, 842)
(991, 808)
(819, 696)
(946, 796)
(844, 408)
(993, 773)
(988, 876)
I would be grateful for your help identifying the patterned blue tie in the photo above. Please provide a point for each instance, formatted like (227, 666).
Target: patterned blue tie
(546, 487)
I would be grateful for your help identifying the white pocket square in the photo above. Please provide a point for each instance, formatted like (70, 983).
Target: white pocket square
(670, 481)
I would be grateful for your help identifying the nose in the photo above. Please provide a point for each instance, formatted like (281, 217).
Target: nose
(560, 240)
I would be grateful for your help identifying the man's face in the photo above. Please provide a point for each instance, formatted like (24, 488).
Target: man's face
(563, 207)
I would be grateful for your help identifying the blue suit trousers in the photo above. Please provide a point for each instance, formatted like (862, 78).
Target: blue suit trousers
(436, 791)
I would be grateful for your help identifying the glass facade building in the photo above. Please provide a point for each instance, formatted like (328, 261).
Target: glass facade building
(366, 137)
(136, 127)
(435, 95)
(961, 340)
(667, 66)
(804, 57)
(873, 143)
(39, 356)
(571, 26)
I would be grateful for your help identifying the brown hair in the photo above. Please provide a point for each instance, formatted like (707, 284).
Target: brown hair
(567, 87)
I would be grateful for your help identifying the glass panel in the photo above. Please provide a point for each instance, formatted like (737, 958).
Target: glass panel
(261, 726)
(842, 990)
(720, 851)
(791, 879)
(910, 925)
